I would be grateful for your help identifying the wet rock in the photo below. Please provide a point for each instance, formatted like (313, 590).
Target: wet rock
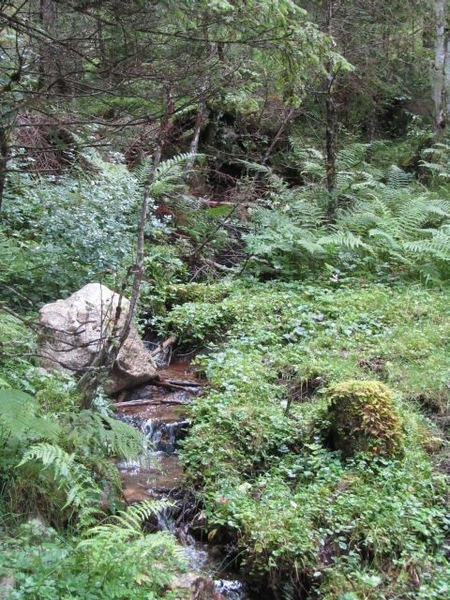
(197, 587)
(74, 330)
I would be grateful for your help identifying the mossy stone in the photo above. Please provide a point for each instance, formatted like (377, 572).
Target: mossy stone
(363, 418)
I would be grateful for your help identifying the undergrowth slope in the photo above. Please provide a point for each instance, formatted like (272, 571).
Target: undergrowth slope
(298, 514)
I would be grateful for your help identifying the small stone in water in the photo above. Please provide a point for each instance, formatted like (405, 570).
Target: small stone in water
(231, 589)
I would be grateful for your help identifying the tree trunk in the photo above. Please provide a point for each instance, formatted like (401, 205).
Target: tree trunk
(440, 70)
(103, 363)
(4, 155)
(201, 111)
(331, 124)
(46, 52)
(111, 345)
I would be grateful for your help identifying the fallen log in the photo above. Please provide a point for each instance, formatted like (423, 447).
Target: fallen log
(145, 401)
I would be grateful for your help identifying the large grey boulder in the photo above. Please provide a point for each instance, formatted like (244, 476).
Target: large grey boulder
(74, 330)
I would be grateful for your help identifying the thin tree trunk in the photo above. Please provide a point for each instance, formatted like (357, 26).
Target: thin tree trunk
(46, 58)
(330, 139)
(193, 148)
(201, 111)
(439, 71)
(331, 124)
(103, 363)
(4, 155)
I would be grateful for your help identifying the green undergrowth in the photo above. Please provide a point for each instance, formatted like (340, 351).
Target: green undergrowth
(64, 532)
(309, 519)
(398, 335)
(114, 559)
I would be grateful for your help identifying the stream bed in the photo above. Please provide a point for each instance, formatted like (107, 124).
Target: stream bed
(159, 410)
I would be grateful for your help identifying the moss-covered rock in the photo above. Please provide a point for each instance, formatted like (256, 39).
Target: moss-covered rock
(363, 418)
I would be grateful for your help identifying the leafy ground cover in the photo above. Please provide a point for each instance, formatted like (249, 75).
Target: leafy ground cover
(296, 512)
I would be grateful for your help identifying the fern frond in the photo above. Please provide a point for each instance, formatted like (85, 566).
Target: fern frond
(71, 477)
(168, 174)
(129, 521)
(386, 237)
(309, 153)
(397, 178)
(170, 167)
(439, 170)
(14, 335)
(121, 550)
(102, 435)
(255, 167)
(439, 208)
(307, 214)
(312, 247)
(438, 149)
(311, 161)
(359, 220)
(18, 418)
(437, 160)
(312, 169)
(7, 255)
(366, 184)
(352, 156)
(437, 246)
(344, 239)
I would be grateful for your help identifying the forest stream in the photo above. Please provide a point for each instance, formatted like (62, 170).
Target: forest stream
(158, 410)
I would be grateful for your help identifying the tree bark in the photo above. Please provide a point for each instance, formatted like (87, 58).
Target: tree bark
(4, 155)
(331, 124)
(201, 110)
(440, 71)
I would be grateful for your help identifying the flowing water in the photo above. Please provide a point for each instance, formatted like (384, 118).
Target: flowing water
(159, 412)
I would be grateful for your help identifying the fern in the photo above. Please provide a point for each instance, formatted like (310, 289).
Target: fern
(18, 418)
(255, 167)
(344, 239)
(352, 156)
(384, 237)
(397, 178)
(66, 459)
(74, 479)
(438, 161)
(166, 177)
(438, 245)
(439, 208)
(101, 436)
(277, 231)
(126, 524)
(16, 338)
(120, 549)
(383, 218)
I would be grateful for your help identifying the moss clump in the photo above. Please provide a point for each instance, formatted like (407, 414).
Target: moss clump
(363, 418)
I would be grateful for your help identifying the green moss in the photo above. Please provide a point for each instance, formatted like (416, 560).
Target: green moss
(363, 418)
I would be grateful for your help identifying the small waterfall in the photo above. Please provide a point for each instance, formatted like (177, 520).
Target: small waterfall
(163, 436)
